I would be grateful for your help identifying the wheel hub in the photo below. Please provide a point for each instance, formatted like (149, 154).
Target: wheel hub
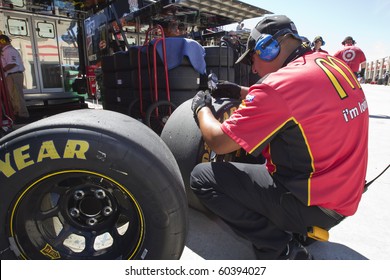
(89, 206)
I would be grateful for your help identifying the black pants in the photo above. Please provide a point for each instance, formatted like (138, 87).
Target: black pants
(247, 199)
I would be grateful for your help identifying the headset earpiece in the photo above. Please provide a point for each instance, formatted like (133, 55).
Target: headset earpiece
(267, 47)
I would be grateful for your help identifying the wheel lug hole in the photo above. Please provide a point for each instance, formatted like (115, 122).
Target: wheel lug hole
(107, 211)
(91, 221)
(78, 195)
(74, 212)
(100, 194)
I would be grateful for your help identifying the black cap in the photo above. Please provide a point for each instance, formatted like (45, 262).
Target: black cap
(348, 38)
(268, 25)
(5, 38)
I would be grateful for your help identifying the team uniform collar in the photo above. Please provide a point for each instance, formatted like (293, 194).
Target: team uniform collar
(301, 50)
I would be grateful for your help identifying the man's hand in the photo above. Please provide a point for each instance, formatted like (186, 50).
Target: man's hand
(226, 89)
(200, 100)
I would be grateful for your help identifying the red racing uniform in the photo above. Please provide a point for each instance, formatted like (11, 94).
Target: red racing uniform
(310, 121)
(352, 55)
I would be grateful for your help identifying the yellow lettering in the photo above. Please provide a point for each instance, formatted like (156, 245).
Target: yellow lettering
(205, 157)
(22, 159)
(5, 166)
(76, 149)
(225, 116)
(331, 63)
(48, 150)
(73, 149)
(206, 153)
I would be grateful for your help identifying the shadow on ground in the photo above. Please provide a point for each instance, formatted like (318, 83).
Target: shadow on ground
(211, 239)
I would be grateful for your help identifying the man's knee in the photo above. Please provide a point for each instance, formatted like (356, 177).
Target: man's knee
(201, 179)
(196, 176)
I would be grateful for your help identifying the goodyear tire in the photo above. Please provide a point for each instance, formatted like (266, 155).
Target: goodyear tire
(90, 185)
(183, 137)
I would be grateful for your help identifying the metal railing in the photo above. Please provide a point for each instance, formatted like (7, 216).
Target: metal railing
(377, 71)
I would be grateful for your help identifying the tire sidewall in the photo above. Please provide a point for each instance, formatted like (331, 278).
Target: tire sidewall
(124, 160)
(184, 138)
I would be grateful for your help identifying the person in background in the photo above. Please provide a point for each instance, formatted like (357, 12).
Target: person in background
(172, 29)
(176, 29)
(317, 43)
(240, 26)
(13, 69)
(386, 78)
(182, 29)
(302, 117)
(353, 56)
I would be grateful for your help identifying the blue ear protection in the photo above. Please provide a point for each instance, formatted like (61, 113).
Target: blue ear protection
(267, 47)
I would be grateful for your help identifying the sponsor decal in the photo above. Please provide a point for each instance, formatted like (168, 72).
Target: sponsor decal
(50, 252)
(249, 98)
(349, 55)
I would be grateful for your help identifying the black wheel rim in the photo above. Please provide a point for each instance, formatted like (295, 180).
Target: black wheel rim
(76, 214)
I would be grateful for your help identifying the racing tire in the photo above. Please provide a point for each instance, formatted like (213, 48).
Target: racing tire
(219, 56)
(95, 184)
(184, 138)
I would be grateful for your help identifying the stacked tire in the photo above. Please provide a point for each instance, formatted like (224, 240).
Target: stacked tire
(118, 85)
(135, 83)
(219, 60)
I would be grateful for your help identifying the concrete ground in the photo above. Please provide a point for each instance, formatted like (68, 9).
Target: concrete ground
(366, 235)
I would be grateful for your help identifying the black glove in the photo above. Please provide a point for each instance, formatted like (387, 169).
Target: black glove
(226, 89)
(200, 100)
(362, 71)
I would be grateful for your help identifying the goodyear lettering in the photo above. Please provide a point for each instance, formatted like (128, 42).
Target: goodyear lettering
(48, 150)
(206, 151)
(76, 149)
(20, 158)
(5, 166)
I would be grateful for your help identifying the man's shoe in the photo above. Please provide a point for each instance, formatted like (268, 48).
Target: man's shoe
(295, 251)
